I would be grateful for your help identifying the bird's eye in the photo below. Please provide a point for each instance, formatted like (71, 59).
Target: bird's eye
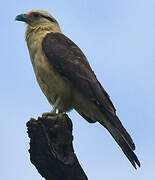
(35, 15)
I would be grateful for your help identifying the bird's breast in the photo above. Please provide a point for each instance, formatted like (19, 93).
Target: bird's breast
(51, 83)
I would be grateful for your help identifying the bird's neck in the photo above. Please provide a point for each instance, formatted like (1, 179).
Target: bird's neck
(43, 29)
(34, 37)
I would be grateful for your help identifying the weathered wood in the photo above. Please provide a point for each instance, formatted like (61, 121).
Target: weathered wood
(51, 150)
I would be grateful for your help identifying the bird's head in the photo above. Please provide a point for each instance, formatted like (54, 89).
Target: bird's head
(37, 18)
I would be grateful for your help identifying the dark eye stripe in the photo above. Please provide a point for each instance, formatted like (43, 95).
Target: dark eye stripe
(49, 18)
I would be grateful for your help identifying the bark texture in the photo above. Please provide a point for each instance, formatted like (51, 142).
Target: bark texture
(51, 149)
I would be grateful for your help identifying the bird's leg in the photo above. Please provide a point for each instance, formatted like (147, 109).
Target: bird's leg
(53, 111)
(55, 106)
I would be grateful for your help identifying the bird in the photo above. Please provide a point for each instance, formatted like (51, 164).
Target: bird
(67, 80)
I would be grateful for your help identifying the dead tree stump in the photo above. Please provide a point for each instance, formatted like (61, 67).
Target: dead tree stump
(51, 149)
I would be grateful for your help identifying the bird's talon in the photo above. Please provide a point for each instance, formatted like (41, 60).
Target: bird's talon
(46, 114)
(60, 115)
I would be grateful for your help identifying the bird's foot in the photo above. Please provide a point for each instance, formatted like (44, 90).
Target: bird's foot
(51, 114)
(53, 111)
(46, 114)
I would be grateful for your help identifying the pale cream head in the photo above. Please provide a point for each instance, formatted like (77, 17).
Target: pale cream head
(38, 18)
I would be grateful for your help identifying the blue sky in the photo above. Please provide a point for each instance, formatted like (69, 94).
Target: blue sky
(118, 38)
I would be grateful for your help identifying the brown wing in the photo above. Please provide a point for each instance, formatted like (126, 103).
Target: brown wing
(70, 62)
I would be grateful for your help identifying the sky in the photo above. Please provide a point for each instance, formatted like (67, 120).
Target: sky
(118, 38)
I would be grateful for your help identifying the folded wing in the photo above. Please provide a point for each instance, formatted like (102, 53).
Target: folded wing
(69, 61)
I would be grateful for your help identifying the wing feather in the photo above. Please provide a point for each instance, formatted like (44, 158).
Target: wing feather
(67, 58)
(70, 62)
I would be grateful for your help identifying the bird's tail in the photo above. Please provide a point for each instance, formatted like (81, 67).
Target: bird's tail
(123, 139)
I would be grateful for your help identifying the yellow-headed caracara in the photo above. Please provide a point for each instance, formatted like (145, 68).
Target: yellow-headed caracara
(67, 80)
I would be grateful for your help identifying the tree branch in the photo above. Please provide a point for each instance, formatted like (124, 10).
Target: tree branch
(51, 150)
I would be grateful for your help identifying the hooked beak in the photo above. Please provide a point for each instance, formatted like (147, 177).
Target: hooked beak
(21, 17)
